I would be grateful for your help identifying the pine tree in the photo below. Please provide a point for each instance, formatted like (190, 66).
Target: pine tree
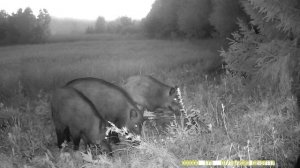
(275, 18)
(268, 59)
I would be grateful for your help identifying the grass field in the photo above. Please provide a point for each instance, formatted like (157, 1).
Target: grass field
(46, 66)
(244, 127)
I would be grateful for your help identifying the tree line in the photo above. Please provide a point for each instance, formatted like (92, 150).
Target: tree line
(193, 18)
(121, 25)
(180, 18)
(24, 27)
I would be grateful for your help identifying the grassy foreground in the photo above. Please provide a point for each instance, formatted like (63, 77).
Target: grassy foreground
(256, 127)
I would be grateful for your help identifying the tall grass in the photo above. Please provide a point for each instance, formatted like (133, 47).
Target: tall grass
(243, 128)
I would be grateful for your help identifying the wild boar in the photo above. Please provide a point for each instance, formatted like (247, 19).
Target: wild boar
(152, 94)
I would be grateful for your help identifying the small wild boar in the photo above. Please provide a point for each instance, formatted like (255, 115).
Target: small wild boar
(152, 94)
(76, 117)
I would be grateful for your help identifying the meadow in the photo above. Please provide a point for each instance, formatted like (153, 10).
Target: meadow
(44, 67)
(257, 127)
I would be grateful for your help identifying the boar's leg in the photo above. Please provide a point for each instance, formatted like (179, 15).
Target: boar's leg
(75, 134)
(67, 134)
(60, 137)
(76, 141)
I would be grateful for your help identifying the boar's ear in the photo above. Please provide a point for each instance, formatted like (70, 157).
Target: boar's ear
(133, 114)
(172, 91)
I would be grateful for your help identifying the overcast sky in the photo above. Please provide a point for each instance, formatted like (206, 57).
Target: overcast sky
(83, 9)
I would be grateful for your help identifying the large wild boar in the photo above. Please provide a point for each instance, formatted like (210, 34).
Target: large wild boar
(76, 117)
(112, 103)
(152, 94)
